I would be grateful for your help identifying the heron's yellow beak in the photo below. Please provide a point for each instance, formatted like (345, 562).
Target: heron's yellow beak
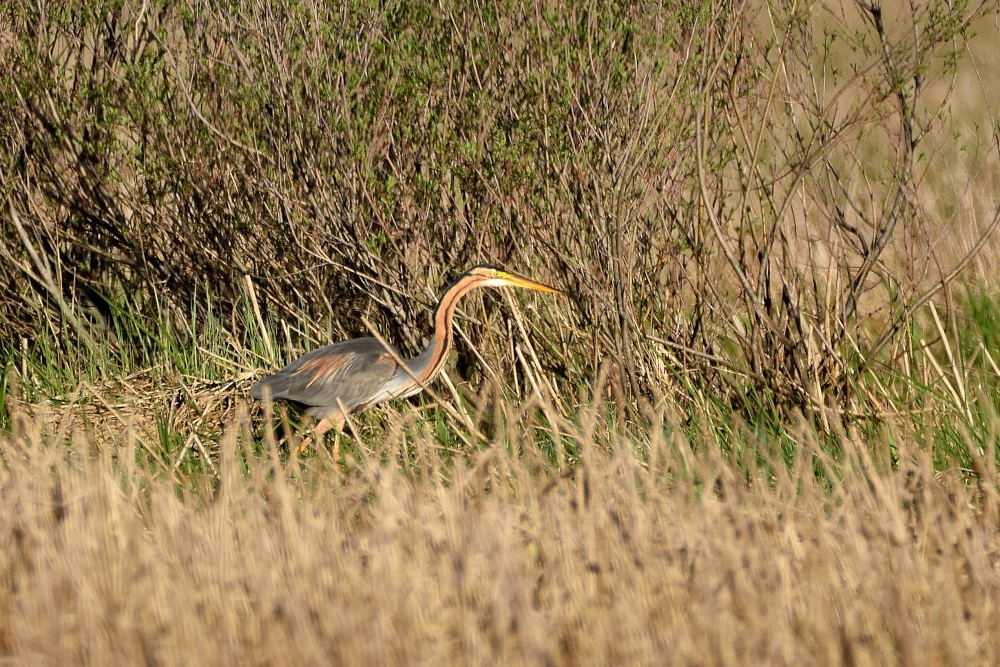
(515, 280)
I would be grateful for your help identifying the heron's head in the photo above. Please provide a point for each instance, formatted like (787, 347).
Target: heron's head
(492, 276)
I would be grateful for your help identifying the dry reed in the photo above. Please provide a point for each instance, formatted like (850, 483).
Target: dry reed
(672, 558)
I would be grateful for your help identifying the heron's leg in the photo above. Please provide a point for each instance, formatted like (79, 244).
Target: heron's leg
(339, 425)
(321, 428)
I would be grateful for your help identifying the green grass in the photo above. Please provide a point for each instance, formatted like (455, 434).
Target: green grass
(148, 362)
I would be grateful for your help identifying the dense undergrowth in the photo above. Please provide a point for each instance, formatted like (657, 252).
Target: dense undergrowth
(759, 427)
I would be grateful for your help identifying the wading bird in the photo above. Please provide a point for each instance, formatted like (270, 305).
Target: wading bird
(344, 378)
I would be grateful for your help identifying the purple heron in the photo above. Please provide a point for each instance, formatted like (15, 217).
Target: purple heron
(337, 380)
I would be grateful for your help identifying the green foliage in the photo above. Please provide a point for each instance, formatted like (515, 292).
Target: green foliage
(198, 193)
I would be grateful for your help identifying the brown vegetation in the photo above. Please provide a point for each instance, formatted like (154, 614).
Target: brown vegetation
(675, 558)
(766, 194)
(761, 427)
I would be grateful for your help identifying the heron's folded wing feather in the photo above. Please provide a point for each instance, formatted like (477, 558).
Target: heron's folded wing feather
(351, 372)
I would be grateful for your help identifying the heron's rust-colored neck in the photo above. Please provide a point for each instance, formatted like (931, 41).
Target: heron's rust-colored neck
(443, 333)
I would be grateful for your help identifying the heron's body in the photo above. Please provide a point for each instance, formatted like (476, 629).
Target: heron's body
(336, 380)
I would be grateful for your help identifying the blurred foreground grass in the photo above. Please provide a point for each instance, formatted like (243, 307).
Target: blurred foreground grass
(669, 550)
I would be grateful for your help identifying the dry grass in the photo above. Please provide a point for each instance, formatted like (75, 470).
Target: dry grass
(760, 428)
(768, 188)
(675, 558)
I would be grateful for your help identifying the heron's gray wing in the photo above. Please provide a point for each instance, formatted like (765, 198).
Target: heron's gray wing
(352, 372)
